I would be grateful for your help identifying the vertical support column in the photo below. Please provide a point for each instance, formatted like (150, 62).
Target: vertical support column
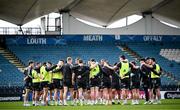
(148, 24)
(60, 23)
(66, 23)
(47, 22)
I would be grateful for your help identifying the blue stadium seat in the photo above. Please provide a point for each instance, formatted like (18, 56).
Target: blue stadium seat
(85, 50)
(153, 50)
(10, 75)
(97, 50)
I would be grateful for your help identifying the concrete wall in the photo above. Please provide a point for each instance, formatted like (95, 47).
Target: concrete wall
(146, 25)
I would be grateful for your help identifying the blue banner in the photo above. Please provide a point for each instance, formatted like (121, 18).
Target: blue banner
(147, 38)
(35, 40)
(62, 40)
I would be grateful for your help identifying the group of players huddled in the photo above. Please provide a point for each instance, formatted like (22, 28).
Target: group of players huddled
(92, 83)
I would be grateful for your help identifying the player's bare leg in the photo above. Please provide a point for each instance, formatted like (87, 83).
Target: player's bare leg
(158, 95)
(105, 96)
(26, 97)
(51, 97)
(72, 95)
(65, 95)
(61, 97)
(110, 96)
(137, 96)
(33, 97)
(45, 93)
(96, 94)
(114, 94)
(56, 96)
(92, 95)
(133, 96)
(36, 98)
(80, 92)
(124, 96)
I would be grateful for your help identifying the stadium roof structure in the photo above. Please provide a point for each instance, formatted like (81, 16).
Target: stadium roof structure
(101, 12)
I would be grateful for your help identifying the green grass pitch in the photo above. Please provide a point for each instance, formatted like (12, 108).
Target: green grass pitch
(173, 104)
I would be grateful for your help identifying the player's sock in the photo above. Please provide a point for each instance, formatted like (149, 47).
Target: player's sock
(81, 102)
(152, 100)
(24, 103)
(36, 103)
(100, 100)
(27, 103)
(33, 102)
(43, 103)
(64, 102)
(73, 102)
(155, 101)
(109, 102)
(159, 101)
(96, 101)
(124, 102)
(76, 101)
(52, 102)
(85, 101)
(137, 102)
(113, 101)
(60, 102)
(39, 103)
(118, 101)
(106, 102)
(133, 102)
(92, 102)
(89, 101)
(56, 103)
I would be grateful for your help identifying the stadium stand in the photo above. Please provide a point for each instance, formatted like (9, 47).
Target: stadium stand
(171, 54)
(85, 50)
(153, 49)
(10, 75)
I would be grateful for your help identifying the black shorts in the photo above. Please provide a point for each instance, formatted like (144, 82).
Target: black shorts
(95, 82)
(146, 84)
(28, 85)
(116, 85)
(44, 84)
(82, 84)
(68, 83)
(125, 83)
(101, 85)
(155, 83)
(51, 86)
(106, 84)
(58, 83)
(36, 87)
(75, 86)
(135, 85)
(88, 85)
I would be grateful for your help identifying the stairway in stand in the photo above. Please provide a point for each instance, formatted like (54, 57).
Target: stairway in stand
(129, 52)
(12, 58)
